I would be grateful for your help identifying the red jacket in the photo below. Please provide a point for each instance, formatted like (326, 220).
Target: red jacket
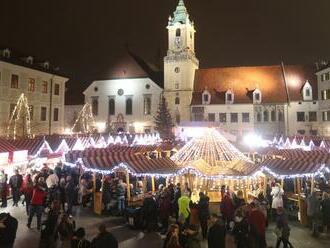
(38, 196)
(257, 221)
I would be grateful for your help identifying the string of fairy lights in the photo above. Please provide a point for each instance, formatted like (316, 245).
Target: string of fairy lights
(20, 111)
(85, 119)
(212, 147)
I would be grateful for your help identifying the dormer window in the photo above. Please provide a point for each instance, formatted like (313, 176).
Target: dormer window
(206, 97)
(307, 92)
(229, 97)
(256, 96)
(29, 60)
(6, 53)
(45, 65)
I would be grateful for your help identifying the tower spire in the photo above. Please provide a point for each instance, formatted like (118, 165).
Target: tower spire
(180, 14)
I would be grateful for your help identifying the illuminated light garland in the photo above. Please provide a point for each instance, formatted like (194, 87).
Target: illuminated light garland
(65, 146)
(319, 172)
(86, 119)
(21, 110)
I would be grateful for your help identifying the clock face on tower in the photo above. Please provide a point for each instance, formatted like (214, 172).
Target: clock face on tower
(178, 42)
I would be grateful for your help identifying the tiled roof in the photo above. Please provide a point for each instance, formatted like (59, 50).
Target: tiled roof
(244, 80)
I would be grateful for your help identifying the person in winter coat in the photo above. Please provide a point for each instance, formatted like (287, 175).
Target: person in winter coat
(283, 229)
(313, 212)
(257, 227)
(177, 195)
(15, 183)
(149, 211)
(227, 208)
(3, 188)
(172, 237)
(239, 200)
(183, 204)
(79, 241)
(70, 193)
(277, 193)
(164, 210)
(66, 230)
(217, 233)
(203, 212)
(241, 229)
(37, 202)
(8, 229)
(104, 239)
(27, 190)
(121, 197)
(325, 206)
(194, 236)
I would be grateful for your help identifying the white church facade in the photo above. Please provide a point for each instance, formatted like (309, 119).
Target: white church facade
(277, 99)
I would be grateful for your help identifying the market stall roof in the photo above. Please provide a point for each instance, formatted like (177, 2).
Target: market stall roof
(33, 146)
(215, 151)
(291, 166)
(6, 146)
(137, 163)
(317, 156)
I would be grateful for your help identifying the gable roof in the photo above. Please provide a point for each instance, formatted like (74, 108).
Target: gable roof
(244, 80)
(130, 65)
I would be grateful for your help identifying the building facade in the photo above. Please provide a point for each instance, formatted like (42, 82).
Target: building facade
(43, 88)
(323, 83)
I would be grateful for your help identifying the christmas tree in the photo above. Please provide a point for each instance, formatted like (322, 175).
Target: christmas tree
(163, 121)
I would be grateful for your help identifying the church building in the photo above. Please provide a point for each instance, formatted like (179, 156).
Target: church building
(275, 99)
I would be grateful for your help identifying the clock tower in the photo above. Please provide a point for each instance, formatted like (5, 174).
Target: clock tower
(180, 64)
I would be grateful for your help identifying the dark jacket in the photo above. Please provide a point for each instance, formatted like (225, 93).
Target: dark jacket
(216, 236)
(203, 208)
(16, 181)
(105, 240)
(8, 234)
(80, 243)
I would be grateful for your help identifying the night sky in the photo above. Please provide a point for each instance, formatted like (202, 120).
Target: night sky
(85, 38)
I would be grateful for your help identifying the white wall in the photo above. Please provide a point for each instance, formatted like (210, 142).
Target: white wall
(135, 88)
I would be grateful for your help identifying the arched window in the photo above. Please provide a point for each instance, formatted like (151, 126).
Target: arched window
(258, 117)
(178, 32)
(177, 100)
(95, 106)
(112, 106)
(266, 117)
(129, 106)
(273, 115)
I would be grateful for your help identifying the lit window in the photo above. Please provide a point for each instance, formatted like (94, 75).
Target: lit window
(14, 81)
(31, 84)
(44, 87)
(57, 90)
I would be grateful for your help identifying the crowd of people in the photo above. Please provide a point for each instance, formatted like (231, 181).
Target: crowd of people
(170, 211)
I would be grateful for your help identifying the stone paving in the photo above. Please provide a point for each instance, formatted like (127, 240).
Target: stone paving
(128, 238)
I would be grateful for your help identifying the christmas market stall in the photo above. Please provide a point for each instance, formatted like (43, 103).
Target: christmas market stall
(299, 172)
(132, 164)
(209, 161)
